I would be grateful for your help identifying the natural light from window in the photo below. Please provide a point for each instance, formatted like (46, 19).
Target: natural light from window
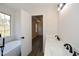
(4, 25)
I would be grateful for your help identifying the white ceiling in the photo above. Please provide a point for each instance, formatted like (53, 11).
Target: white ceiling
(28, 6)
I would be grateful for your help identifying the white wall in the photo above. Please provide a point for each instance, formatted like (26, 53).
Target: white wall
(69, 24)
(17, 24)
(5, 9)
(49, 13)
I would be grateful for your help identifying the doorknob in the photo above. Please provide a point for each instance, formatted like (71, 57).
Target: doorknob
(22, 37)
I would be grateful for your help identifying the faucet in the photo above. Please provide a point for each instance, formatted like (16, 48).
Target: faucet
(57, 37)
(75, 53)
(68, 47)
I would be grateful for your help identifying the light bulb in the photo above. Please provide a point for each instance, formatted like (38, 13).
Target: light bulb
(60, 5)
(58, 9)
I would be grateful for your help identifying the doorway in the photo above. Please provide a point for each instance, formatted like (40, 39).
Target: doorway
(37, 36)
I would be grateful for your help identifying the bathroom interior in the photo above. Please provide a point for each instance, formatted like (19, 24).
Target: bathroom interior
(57, 36)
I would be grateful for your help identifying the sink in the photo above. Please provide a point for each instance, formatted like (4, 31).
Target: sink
(55, 48)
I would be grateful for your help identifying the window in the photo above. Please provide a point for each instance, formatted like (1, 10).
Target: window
(4, 25)
(36, 28)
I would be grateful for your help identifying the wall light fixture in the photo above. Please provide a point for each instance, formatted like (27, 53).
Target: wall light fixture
(60, 6)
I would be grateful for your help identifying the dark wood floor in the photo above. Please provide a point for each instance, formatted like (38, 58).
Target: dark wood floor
(37, 46)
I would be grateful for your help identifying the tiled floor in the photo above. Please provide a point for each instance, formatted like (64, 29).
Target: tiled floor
(37, 46)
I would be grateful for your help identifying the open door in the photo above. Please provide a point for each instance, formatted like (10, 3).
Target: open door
(37, 36)
(26, 36)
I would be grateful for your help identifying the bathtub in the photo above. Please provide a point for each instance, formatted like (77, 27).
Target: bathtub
(12, 48)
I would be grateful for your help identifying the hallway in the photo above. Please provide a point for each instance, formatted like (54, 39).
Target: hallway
(37, 46)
